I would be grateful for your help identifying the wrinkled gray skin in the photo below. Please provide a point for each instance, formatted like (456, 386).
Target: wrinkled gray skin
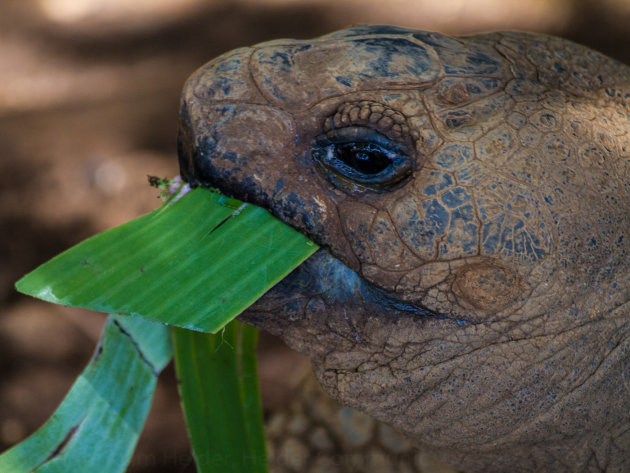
(476, 297)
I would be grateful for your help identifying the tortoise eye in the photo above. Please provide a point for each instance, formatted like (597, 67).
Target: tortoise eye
(358, 158)
(365, 158)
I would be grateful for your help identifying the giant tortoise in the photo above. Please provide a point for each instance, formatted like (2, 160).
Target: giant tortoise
(471, 197)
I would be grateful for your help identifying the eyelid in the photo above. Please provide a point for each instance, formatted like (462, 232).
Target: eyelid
(362, 134)
(348, 178)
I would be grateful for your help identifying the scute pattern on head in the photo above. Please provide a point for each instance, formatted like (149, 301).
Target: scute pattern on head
(474, 292)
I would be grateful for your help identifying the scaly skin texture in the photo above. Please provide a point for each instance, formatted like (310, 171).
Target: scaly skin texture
(473, 290)
(314, 434)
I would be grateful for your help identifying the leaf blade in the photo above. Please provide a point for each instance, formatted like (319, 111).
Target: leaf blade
(220, 398)
(105, 407)
(196, 263)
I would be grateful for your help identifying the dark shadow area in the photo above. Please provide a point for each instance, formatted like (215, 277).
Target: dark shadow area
(94, 111)
(26, 243)
(601, 27)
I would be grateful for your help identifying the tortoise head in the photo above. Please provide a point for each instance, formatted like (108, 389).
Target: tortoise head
(471, 199)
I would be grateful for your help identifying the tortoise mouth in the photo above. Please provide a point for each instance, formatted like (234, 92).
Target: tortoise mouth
(324, 276)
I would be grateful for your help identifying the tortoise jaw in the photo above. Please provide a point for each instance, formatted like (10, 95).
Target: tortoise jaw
(327, 280)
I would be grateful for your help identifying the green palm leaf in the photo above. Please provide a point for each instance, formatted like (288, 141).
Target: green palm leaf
(219, 387)
(97, 425)
(195, 263)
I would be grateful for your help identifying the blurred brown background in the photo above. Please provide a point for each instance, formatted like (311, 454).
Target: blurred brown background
(88, 107)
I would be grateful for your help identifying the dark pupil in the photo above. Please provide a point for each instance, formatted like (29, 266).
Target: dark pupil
(363, 157)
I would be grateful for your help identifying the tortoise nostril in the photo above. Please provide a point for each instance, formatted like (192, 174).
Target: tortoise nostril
(487, 286)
